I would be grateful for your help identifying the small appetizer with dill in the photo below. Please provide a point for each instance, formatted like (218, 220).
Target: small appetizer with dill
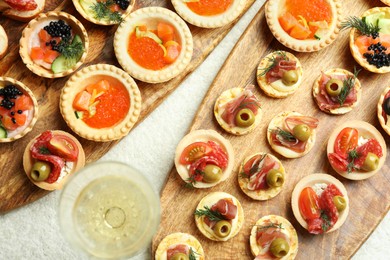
(273, 237)
(179, 246)
(320, 203)
(18, 110)
(51, 158)
(100, 103)
(3, 42)
(209, 13)
(292, 134)
(384, 110)
(104, 12)
(369, 39)
(153, 44)
(279, 74)
(21, 10)
(238, 110)
(204, 158)
(261, 176)
(337, 91)
(219, 216)
(54, 45)
(356, 150)
(304, 25)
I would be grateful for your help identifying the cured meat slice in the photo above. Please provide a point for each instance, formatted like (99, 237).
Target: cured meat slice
(257, 170)
(226, 207)
(278, 70)
(174, 249)
(22, 5)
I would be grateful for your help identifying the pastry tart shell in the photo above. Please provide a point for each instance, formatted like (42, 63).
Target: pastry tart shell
(386, 2)
(178, 239)
(3, 42)
(380, 110)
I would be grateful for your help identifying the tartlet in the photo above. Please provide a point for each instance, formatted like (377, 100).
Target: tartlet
(244, 116)
(149, 17)
(23, 113)
(83, 5)
(308, 35)
(383, 116)
(56, 153)
(90, 78)
(315, 185)
(275, 227)
(363, 138)
(31, 42)
(218, 16)
(335, 101)
(261, 176)
(179, 243)
(387, 2)
(234, 215)
(279, 74)
(3, 42)
(204, 158)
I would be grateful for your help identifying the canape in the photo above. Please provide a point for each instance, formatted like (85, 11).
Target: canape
(100, 103)
(21, 10)
(384, 110)
(179, 246)
(3, 42)
(54, 45)
(153, 44)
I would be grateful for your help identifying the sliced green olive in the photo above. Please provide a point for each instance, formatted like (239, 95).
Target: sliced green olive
(302, 132)
(340, 203)
(275, 178)
(371, 162)
(279, 247)
(333, 87)
(212, 173)
(290, 77)
(245, 117)
(222, 228)
(179, 256)
(40, 171)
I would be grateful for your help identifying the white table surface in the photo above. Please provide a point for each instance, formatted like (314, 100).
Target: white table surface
(32, 232)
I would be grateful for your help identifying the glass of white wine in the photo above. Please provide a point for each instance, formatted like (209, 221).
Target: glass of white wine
(109, 210)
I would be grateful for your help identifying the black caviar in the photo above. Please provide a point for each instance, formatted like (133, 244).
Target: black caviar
(123, 4)
(58, 29)
(379, 58)
(9, 92)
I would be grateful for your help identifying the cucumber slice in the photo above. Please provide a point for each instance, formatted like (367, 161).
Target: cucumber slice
(384, 25)
(373, 18)
(148, 34)
(3, 132)
(59, 64)
(77, 39)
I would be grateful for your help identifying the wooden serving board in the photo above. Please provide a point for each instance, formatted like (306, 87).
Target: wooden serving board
(15, 188)
(370, 199)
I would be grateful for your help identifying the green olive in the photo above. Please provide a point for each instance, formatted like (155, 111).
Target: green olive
(222, 228)
(40, 171)
(333, 87)
(245, 117)
(290, 77)
(179, 256)
(371, 162)
(302, 132)
(340, 203)
(279, 247)
(212, 173)
(275, 178)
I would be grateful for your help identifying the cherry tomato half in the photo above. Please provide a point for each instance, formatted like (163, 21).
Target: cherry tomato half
(64, 147)
(195, 151)
(309, 204)
(346, 141)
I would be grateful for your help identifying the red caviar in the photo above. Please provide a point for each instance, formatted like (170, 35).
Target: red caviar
(209, 7)
(313, 10)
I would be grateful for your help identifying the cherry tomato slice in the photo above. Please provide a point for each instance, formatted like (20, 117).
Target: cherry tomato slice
(309, 204)
(346, 141)
(195, 151)
(63, 146)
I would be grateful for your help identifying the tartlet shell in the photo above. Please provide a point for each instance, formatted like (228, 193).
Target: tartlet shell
(25, 90)
(364, 129)
(3, 42)
(90, 75)
(77, 28)
(148, 15)
(178, 238)
(203, 136)
(380, 110)
(278, 121)
(286, 225)
(214, 21)
(387, 2)
(28, 163)
(260, 194)
(310, 180)
(272, 12)
(340, 110)
(226, 97)
(206, 201)
(267, 88)
(354, 50)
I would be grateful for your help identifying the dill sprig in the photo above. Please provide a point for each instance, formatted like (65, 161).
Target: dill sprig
(192, 254)
(191, 180)
(272, 225)
(352, 155)
(211, 214)
(273, 61)
(348, 84)
(102, 11)
(326, 221)
(253, 169)
(244, 105)
(284, 134)
(363, 27)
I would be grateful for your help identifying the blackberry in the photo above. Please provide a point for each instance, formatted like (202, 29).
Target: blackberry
(379, 58)
(123, 4)
(58, 29)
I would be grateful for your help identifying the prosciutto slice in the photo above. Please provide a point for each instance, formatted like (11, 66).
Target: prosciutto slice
(257, 170)
(22, 5)
(226, 208)
(279, 69)
(264, 238)
(174, 249)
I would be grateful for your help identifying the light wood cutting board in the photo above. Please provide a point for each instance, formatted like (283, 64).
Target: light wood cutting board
(15, 188)
(369, 199)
